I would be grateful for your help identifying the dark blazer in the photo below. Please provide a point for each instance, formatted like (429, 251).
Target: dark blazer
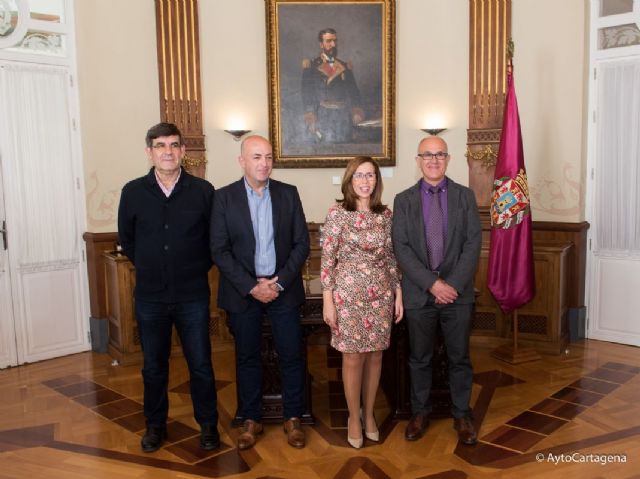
(167, 239)
(233, 244)
(462, 248)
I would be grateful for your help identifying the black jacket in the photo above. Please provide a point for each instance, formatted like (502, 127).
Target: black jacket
(167, 239)
(233, 244)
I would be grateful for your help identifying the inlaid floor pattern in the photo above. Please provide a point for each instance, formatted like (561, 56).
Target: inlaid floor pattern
(80, 417)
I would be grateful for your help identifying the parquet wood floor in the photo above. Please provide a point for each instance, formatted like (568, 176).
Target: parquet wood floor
(80, 417)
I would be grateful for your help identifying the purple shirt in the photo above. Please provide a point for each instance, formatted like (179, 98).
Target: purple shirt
(426, 205)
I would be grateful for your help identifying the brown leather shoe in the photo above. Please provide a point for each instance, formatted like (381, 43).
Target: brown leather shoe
(250, 432)
(418, 424)
(295, 434)
(466, 431)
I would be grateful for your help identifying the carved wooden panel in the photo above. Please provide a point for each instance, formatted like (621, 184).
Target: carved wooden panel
(178, 48)
(542, 322)
(489, 32)
(124, 339)
(96, 245)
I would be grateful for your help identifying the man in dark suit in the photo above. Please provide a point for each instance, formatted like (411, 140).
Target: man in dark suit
(260, 241)
(436, 238)
(163, 228)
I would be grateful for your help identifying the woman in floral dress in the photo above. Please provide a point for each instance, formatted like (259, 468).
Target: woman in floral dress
(361, 289)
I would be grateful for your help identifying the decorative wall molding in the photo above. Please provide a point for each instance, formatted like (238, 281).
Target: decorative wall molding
(178, 48)
(618, 36)
(558, 196)
(489, 33)
(484, 136)
(48, 266)
(487, 156)
(101, 204)
(191, 163)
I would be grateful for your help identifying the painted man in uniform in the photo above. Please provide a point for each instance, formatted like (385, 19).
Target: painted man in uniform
(330, 96)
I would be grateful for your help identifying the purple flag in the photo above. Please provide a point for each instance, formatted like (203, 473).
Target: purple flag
(510, 275)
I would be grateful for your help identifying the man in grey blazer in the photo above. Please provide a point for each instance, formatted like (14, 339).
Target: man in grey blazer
(436, 238)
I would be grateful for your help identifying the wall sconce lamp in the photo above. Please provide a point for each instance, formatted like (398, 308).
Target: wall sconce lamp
(433, 131)
(237, 134)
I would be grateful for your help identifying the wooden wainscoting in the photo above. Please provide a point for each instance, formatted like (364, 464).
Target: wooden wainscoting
(96, 245)
(543, 321)
(560, 251)
(559, 254)
(111, 284)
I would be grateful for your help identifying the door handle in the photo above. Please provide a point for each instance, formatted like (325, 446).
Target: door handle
(4, 234)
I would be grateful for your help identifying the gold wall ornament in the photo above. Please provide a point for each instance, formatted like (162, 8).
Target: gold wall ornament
(487, 155)
(190, 162)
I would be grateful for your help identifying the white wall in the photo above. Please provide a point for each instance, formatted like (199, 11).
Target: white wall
(551, 63)
(118, 85)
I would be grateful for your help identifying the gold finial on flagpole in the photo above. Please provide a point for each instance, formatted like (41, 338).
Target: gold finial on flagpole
(510, 48)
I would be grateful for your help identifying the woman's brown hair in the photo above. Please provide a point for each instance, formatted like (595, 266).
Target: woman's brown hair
(349, 200)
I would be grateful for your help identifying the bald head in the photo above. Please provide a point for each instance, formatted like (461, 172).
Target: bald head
(433, 159)
(256, 160)
(432, 143)
(252, 140)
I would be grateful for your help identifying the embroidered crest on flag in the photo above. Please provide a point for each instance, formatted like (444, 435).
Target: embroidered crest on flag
(510, 201)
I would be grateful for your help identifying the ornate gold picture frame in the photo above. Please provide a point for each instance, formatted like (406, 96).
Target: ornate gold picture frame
(331, 81)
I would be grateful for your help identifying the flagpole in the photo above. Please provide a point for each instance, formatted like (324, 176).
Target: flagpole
(515, 331)
(511, 353)
(511, 279)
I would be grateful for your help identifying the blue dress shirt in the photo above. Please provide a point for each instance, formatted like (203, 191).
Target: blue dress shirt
(262, 222)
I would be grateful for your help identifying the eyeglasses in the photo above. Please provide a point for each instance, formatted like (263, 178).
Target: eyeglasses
(438, 156)
(161, 146)
(364, 176)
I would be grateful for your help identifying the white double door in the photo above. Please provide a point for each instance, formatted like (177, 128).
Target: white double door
(43, 287)
(614, 256)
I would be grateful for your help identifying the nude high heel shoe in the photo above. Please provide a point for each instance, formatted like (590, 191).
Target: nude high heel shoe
(355, 443)
(372, 436)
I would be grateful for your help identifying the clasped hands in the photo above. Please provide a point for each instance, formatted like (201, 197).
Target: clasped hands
(443, 292)
(265, 290)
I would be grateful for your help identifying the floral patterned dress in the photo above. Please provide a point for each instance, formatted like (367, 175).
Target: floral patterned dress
(358, 265)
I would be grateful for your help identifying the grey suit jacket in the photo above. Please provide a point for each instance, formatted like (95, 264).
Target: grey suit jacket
(462, 248)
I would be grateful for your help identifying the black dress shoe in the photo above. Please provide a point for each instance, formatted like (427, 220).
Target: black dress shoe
(418, 424)
(466, 431)
(153, 438)
(209, 437)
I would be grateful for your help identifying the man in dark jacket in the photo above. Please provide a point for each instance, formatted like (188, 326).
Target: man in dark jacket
(163, 228)
(259, 242)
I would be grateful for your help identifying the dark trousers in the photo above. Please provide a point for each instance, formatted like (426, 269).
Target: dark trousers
(191, 318)
(455, 323)
(287, 334)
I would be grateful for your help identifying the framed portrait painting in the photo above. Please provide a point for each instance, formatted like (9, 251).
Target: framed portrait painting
(331, 81)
